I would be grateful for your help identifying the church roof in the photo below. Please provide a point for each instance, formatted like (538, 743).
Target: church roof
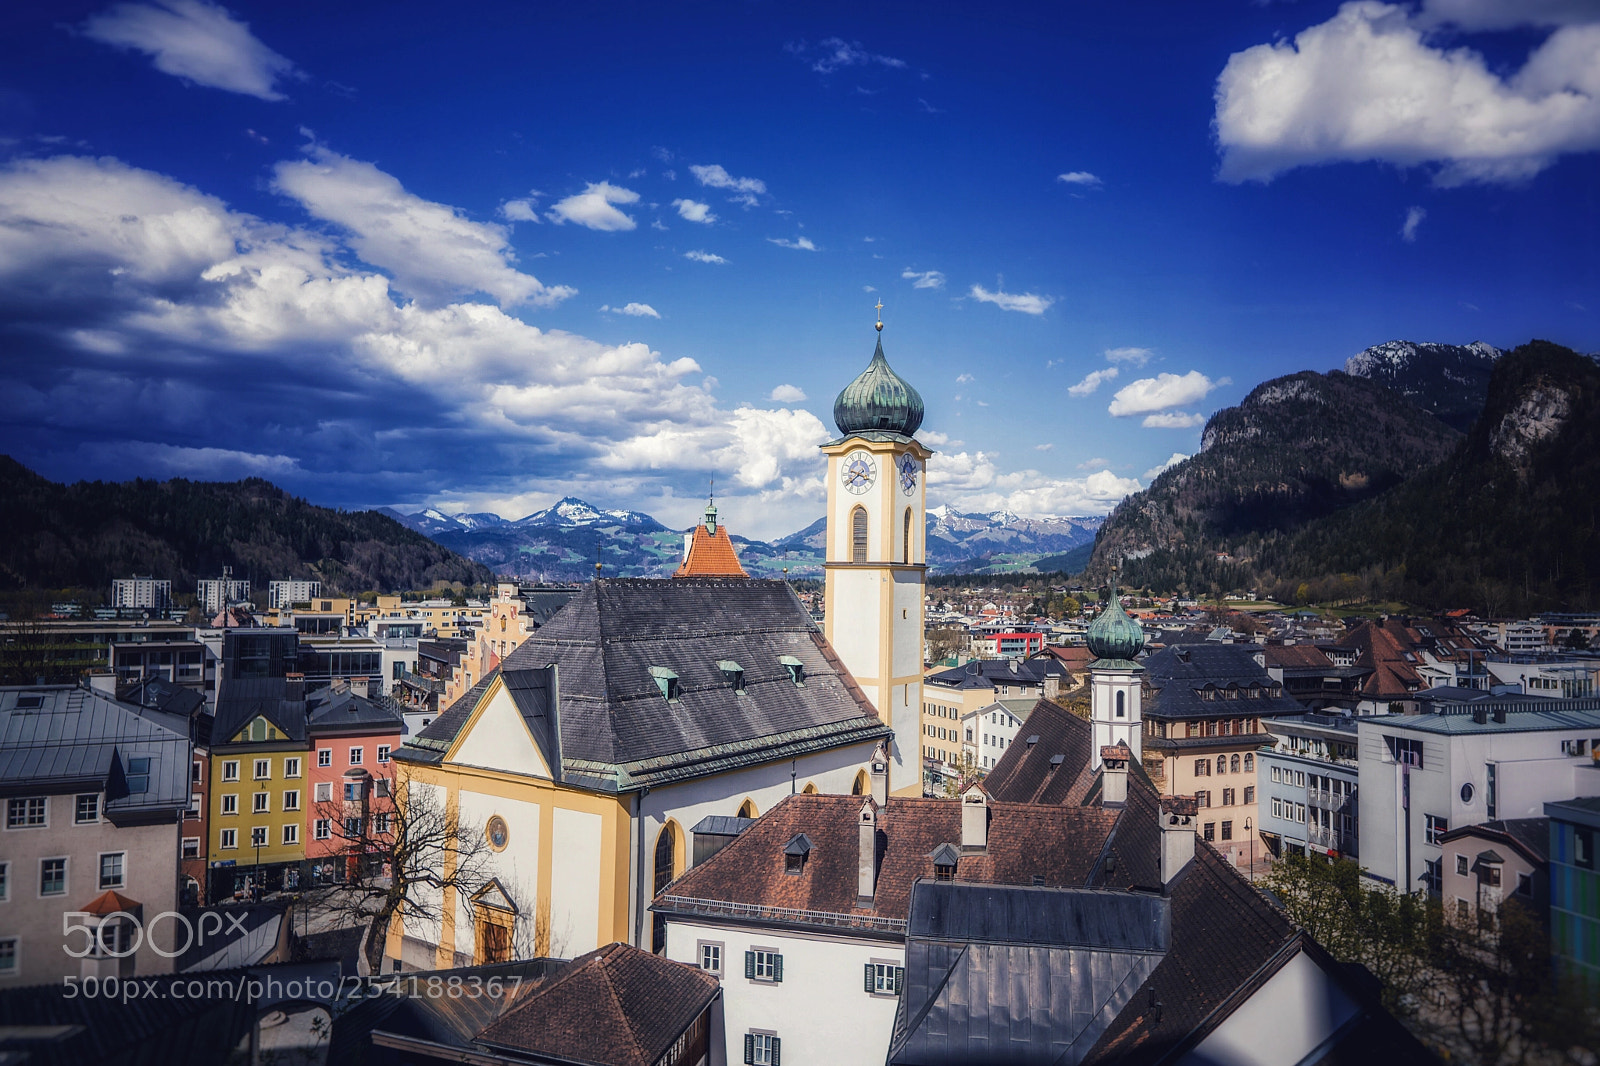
(711, 554)
(878, 401)
(1113, 636)
(644, 697)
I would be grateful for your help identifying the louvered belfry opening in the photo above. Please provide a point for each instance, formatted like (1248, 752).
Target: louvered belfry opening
(858, 535)
(905, 546)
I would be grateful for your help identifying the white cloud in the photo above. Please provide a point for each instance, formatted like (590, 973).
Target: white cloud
(1408, 229)
(520, 211)
(1078, 177)
(1504, 14)
(1156, 471)
(1173, 420)
(868, 288)
(197, 41)
(715, 177)
(788, 394)
(694, 212)
(973, 482)
(1093, 380)
(592, 207)
(704, 257)
(1026, 302)
(926, 279)
(1043, 447)
(962, 379)
(434, 253)
(1161, 392)
(802, 244)
(1372, 84)
(637, 310)
(1097, 461)
(1135, 356)
(832, 53)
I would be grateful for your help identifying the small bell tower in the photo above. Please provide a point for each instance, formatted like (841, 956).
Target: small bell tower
(1115, 684)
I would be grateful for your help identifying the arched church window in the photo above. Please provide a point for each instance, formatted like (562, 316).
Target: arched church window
(858, 535)
(1234, 764)
(859, 788)
(905, 548)
(747, 809)
(1222, 764)
(1249, 764)
(666, 846)
(1121, 712)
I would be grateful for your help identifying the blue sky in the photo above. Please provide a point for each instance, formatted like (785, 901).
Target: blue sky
(482, 256)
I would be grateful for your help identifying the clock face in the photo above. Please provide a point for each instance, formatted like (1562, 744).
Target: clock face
(859, 473)
(908, 474)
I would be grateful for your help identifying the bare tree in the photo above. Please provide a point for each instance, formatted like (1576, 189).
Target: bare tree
(399, 856)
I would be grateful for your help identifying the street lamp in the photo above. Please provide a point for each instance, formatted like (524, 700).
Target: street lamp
(1252, 837)
(255, 874)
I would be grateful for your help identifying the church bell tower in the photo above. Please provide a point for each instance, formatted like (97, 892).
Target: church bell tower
(1114, 640)
(876, 559)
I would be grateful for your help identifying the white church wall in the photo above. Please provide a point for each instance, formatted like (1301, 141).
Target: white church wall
(575, 883)
(517, 866)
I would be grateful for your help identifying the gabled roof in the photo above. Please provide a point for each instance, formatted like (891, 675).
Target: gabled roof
(1296, 656)
(242, 700)
(710, 555)
(1529, 837)
(332, 713)
(1178, 675)
(986, 673)
(615, 729)
(1382, 647)
(1025, 773)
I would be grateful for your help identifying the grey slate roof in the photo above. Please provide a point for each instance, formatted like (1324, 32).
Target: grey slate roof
(1177, 675)
(613, 730)
(242, 699)
(986, 673)
(58, 739)
(336, 712)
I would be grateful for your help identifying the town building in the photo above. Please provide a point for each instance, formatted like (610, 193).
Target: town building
(181, 661)
(350, 775)
(1307, 785)
(1311, 678)
(1565, 675)
(989, 731)
(515, 613)
(283, 595)
(141, 593)
(1575, 886)
(1487, 863)
(1476, 758)
(708, 550)
(954, 697)
(214, 595)
(182, 709)
(258, 787)
(419, 692)
(93, 794)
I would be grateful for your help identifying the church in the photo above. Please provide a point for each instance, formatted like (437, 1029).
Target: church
(647, 713)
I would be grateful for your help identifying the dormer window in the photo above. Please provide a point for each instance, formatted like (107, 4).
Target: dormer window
(795, 854)
(732, 673)
(796, 668)
(666, 681)
(945, 857)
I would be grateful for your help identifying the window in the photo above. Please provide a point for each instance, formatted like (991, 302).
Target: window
(259, 803)
(763, 965)
(291, 768)
(352, 791)
(1277, 775)
(53, 877)
(1227, 797)
(858, 535)
(1277, 807)
(291, 833)
(263, 769)
(761, 1049)
(905, 545)
(1300, 813)
(27, 812)
(1233, 764)
(291, 800)
(1299, 779)
(230, 803)
(1249, 795)
(324, 828)
(1461, 865)
(1583, 847)
(1406, 750)
(1434, 827)
(352, 827)
(195, 771)
(191, 847)
(1250, 764)
(1202, 768)
(355, 756)
(324, 756)
(229, 839)
(258, 837)
(195, 799)
(1489, 797)
(383, 753)
(380, 822)
(87, 809)
(111, 869)
(1493, 876)
(381, 785)
(1227, 830)
(1463, 909)
(230, 770)
(1120, 712)
(1432, 874)
(884, 978)
(711, 957)
(1210, 831)
(1524, 884)
(1222, 764)
(8, 956)
(324, 791)
(5, 881)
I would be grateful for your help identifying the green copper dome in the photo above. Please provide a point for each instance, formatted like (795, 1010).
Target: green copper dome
(878, 401)
(1114, 635)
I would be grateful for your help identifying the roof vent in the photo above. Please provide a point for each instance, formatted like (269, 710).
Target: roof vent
(1056, 761)
(796, 668)
(1032, 740)
(30, 701)
(732, 673)
(666, 681)
(795, 852)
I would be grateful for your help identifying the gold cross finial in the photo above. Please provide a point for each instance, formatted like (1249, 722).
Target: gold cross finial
(880, 314)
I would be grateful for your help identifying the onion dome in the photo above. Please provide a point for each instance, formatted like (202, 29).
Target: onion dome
(1114, 635)
(879, 401)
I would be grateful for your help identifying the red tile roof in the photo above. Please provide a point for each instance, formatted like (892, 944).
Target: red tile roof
(710, 555)
(1296, 656)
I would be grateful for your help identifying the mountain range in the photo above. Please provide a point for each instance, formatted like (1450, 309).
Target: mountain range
(1359, 486)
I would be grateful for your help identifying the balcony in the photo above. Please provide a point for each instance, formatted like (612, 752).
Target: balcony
(1328, 801)
(420, 683)
(1332, 839)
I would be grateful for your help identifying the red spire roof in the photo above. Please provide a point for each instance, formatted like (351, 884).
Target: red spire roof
(710, 555)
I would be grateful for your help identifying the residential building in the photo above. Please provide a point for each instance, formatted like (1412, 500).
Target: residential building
(182, 709)
(93, 790)
(327, 659)
(1489, 862)
(214, 595)
(419, 692)
(69, 649)
(1307, 784)
(987, 732)
(1519, 638)
(1567, 676)
(141, 593)
(514, 614)
(953, 698)
(1075, 657)
(1474, 759)
(258, 780)
(350, 780)
(182, 662)
(283, 595)
(1205, 719)
(1575, 886)
(1311, 678)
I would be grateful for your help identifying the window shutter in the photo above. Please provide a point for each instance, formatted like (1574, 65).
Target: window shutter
(899, 979)
(869, 983)
(777, 968)
(749, 1045)
(749, 966)
(775, 1044)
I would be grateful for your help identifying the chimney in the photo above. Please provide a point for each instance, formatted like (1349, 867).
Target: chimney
(1500, 713)
(1114, 779)
(1480, 715)
(1177, 835)
(880, 777)
(867, 862)
(295, 689)
(974, 820)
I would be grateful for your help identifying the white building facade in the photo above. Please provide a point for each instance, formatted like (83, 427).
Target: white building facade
(282, 594)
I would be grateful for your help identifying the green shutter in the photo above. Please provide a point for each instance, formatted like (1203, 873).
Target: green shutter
(899, 979)
(869, 978)
(775, 1043)
(749, 1045)
(749, 964)
(777, 967)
